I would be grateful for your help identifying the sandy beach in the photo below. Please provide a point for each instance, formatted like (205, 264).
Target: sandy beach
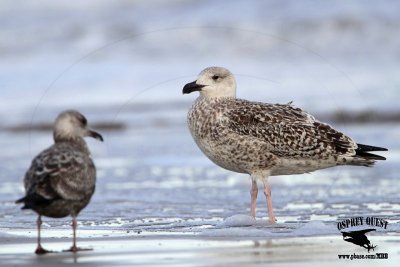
(117, 248)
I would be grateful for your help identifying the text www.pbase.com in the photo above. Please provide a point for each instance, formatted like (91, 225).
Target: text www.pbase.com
(363, 256)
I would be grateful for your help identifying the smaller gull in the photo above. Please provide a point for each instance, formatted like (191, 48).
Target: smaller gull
(264, 139)
(61, 179)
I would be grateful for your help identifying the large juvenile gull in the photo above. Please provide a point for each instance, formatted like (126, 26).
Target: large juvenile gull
(61, 179)
(264, 139)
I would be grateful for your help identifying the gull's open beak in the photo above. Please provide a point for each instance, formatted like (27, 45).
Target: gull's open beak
(191, 87)
(95, 135)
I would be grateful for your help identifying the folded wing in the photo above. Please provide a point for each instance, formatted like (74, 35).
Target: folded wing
(288, 131)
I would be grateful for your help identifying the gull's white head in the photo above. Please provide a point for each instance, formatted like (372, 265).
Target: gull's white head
(213, 82)
(71, 125)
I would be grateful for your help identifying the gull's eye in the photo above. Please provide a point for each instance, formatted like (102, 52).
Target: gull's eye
(82, 120)
(215, 77)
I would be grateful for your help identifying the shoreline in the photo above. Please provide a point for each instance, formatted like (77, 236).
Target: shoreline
(362, 117)
(164, 249)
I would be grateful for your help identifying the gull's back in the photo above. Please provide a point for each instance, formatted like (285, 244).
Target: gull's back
(60, 180)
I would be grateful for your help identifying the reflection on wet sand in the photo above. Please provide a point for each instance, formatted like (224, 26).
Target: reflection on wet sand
(167, 251)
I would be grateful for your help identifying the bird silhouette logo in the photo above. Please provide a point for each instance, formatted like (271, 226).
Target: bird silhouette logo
(359, 238)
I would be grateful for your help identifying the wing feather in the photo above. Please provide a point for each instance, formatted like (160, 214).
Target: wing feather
(288, 131)
(58, 172)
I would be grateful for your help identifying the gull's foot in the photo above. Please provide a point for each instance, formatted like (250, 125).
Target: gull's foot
(41, 251)
(76, 249)
(272, 221)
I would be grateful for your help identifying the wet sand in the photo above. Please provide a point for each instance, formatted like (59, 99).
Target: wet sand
(119, 248)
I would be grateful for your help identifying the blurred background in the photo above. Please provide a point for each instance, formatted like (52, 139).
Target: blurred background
(124, 65)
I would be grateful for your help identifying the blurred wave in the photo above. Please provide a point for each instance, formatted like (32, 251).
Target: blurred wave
(160, 116)
(326, 56)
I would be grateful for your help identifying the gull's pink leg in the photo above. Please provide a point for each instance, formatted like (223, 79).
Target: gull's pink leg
(267, 193)
(74, 248)
(253, 193)
(74, 225)
(40, 249)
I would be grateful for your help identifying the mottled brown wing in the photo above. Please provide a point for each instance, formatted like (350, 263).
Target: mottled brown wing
(59, 172)
(287, 131)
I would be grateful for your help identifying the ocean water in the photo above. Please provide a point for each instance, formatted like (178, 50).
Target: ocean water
(127, 63)
(157, 181)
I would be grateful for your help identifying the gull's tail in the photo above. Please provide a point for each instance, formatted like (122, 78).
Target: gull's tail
(362, 152)
(363, 157)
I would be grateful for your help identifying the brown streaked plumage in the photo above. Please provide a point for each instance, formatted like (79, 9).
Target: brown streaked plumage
(61, 179)
(264, 139)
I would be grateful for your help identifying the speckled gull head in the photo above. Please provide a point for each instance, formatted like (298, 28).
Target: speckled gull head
(213, 82)
(71, 125)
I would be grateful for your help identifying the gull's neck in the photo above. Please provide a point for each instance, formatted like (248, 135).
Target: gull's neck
(77, 141)
(214, 98)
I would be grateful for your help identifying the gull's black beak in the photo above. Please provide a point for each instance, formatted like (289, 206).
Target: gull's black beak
(191, 87)
(95, 135)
